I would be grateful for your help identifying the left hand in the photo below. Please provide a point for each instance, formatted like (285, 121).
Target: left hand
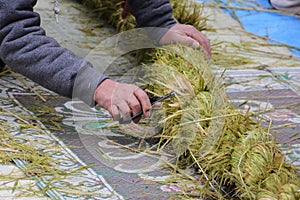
(188, 35)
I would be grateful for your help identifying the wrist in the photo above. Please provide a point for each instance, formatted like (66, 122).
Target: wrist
(105, 85)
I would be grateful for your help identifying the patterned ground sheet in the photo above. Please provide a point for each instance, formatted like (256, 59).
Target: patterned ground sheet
(117, 172)
(118, 165)
(274, 94)
(114, 172)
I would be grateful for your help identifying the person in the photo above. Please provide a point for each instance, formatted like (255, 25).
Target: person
(25, 48)
(289, 6)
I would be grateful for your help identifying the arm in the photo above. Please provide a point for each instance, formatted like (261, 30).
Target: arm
(152, 13)
(26, 49)
(158, 13)
(128, 99)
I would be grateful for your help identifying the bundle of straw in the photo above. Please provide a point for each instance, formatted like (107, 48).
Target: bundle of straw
(242, 161)
(244, 158)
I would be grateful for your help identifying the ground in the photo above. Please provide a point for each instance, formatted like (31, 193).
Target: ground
(270, 85)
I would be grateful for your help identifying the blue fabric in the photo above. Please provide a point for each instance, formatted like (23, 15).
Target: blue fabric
(277, 26)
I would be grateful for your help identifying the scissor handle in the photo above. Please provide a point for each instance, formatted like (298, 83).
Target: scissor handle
(153, 100)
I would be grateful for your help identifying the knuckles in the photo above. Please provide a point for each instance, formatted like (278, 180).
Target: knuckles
(136, 106)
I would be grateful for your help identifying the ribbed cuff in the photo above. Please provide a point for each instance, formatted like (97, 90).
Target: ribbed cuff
(87, 80)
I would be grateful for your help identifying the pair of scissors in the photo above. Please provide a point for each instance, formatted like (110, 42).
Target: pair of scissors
(153, 100)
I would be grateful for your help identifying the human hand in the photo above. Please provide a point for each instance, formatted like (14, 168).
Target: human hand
(122, 100)
(188, 35)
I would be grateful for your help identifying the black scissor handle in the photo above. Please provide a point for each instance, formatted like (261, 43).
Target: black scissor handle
(153, 100)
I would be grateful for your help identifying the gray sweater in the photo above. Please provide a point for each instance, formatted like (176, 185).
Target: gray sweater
(25, 48)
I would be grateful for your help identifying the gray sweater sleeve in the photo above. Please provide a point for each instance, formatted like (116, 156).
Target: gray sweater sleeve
(26, 49)
(152, 13)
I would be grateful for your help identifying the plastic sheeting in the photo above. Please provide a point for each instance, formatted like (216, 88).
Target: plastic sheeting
(277, 26)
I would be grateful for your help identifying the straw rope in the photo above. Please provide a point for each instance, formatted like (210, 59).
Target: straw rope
(244, 163)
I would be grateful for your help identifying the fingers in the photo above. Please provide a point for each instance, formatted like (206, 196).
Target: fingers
(136, 102)
(187, 41)
(199, 37)
(135, 106)
(144, 101)
(189, 36)
(124, 111)
(114, 112)
(122, 100)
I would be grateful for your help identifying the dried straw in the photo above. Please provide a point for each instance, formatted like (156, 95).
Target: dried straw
(244, 162)
(35, 158)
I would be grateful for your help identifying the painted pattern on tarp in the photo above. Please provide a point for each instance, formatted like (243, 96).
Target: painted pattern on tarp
(117, 165)
(94, 185)
(116, 170)
(274, 94)
(115, 146)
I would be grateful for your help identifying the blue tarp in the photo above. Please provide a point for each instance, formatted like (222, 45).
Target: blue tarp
(276, 26)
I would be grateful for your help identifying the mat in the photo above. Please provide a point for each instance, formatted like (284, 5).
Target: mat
(117, 172)
(114, 170)
(273, 94)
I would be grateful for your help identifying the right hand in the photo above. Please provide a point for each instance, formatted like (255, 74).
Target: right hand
(122, 100)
